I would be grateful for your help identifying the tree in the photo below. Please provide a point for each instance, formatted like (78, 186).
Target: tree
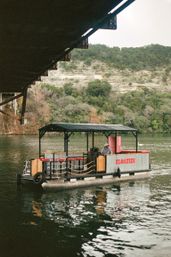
(70, 90)
(98, 88)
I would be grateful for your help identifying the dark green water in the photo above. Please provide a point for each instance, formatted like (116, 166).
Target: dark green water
(132, 219)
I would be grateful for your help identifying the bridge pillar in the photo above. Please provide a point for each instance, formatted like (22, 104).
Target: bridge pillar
(10, 99)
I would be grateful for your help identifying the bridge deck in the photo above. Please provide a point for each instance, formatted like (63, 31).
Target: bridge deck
(36, 33)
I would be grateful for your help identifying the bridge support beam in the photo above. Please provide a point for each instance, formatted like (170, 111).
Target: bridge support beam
(13, 98)
(9, 99)
(23, 109)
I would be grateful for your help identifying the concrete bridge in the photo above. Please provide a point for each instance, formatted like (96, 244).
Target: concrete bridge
(36, 34)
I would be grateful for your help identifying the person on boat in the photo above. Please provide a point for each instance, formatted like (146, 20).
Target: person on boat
(106, 149)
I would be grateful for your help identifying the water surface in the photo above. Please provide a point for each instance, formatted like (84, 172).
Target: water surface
(130, 219)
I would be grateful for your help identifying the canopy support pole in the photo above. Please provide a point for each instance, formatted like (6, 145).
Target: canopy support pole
(93, 139)
(87, 141)
(39, 145)
(136, 139)
(66, 139)
(116, 134)
(66, 148)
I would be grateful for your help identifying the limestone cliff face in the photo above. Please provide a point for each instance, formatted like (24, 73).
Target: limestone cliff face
(79, 75)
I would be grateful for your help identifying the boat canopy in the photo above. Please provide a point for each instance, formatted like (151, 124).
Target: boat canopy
(85, 127)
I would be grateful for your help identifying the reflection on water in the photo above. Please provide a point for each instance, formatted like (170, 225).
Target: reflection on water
(128, 219)
(109, 221)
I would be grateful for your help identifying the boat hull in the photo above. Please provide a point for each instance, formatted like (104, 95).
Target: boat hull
(58, 185)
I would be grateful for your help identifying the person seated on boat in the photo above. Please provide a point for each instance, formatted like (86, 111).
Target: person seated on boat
(106, 149)
(93, 154)
(94, 151)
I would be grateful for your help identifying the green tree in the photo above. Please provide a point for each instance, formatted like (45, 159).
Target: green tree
(70, 90)
(98, 88)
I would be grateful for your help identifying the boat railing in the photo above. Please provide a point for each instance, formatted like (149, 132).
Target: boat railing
(59, 166)
(27, 167)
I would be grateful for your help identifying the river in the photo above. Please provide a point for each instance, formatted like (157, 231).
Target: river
(130, 219)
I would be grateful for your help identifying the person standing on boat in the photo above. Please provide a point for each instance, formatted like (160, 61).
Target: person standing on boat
(106, 149)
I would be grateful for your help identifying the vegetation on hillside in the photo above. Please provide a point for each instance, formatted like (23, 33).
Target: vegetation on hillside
(142, 109)
(96, 101)
(140, 58)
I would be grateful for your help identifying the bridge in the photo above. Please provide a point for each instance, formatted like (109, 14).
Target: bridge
(36, 34)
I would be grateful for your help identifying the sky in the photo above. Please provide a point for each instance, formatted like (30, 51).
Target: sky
(144, 22)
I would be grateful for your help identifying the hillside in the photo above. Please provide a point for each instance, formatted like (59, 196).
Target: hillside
(102, 84)
(139, 69)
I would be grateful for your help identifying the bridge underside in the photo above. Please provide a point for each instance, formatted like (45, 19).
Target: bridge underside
(35, 34)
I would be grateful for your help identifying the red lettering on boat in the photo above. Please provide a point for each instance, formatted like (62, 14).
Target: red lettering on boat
(126, 161)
